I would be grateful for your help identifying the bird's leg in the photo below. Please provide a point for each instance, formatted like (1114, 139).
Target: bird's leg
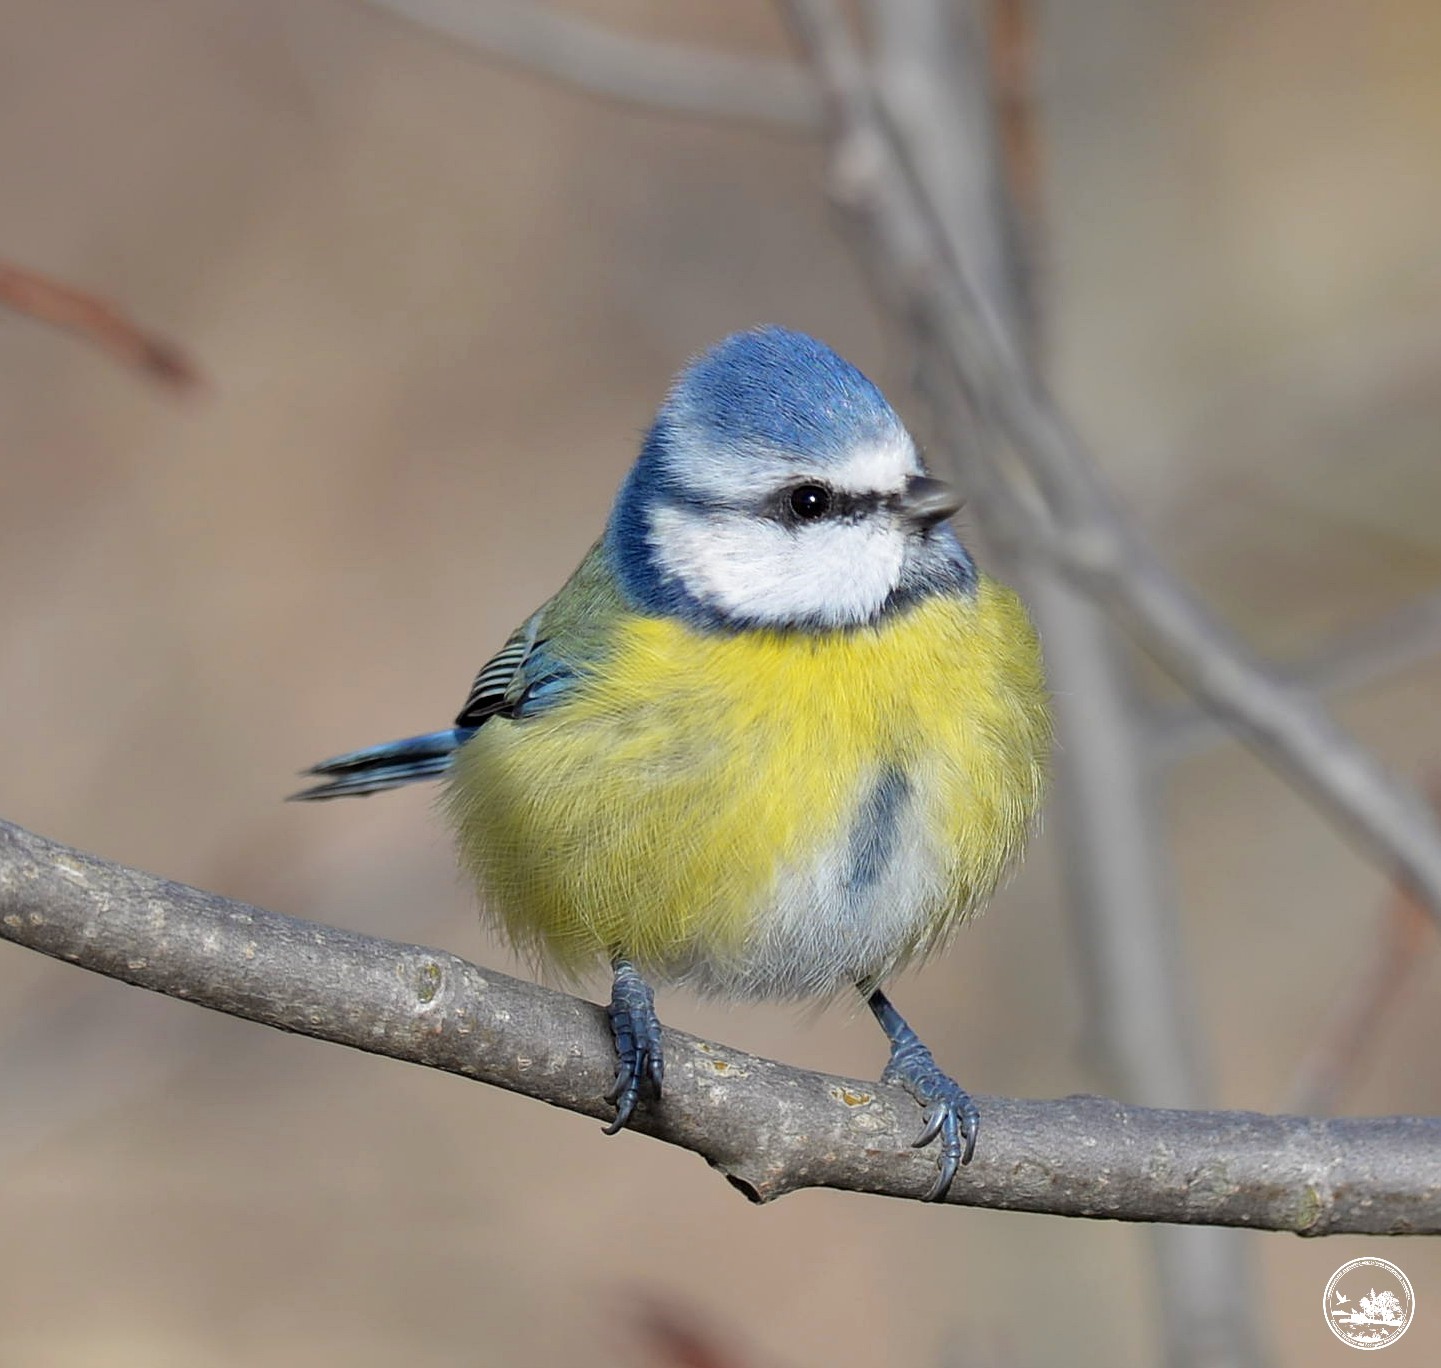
(950, 1113)
(636, 1029)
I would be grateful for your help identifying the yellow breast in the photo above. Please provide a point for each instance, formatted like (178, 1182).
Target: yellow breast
(671, 805)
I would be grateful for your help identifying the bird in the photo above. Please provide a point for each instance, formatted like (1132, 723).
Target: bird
(777, 737)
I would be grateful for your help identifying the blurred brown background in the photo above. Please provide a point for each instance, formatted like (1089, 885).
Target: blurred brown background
(436, 301)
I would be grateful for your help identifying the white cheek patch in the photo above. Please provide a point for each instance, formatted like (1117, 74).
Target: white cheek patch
(833, 572)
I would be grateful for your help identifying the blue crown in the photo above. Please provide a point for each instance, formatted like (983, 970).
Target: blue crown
(778, 391)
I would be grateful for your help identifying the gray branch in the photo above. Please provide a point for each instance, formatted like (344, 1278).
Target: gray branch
(670, 77)
(1353, 659)
(768, 1128)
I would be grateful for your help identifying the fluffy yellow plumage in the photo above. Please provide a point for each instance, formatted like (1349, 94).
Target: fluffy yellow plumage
(661, 809)
(775, 737)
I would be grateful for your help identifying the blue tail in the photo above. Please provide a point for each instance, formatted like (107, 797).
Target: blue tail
(386, 766)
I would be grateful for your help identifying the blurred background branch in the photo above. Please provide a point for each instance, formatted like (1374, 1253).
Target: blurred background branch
(768, 1128)
(1363, 655)
(99, 323)
(667, 77)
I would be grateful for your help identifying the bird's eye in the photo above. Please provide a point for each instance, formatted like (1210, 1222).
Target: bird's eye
(809, 501)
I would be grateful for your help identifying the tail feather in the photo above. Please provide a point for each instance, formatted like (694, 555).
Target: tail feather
(386, 766)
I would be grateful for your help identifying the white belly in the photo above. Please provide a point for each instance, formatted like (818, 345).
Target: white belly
(848, 915)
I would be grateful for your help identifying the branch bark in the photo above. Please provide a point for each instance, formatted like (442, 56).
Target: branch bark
(768, 1128)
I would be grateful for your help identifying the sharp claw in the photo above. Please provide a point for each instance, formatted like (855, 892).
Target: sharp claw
(942, 1185)
(953, 1119)
(637, 1066)
(625, 1104)
(935, 1119)
(971, 1128)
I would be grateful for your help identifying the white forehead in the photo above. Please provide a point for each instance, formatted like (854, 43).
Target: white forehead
(877, 467)
(880, 467)
(831, 572)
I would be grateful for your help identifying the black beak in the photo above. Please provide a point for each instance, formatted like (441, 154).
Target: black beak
(925, 502)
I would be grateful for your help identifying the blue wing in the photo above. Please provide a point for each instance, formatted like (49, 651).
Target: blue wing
(386, 766)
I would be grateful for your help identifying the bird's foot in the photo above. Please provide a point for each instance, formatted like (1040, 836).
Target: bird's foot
(950, 1115)
(636, 1030)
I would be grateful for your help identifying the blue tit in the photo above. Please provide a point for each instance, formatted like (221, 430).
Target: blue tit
(775, 738)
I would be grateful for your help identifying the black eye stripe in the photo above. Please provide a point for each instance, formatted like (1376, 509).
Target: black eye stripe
(845, 505)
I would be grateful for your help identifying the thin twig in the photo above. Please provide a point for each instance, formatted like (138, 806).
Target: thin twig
(768, 1128)
(670, 77)
(1353, 659)
(62, 306)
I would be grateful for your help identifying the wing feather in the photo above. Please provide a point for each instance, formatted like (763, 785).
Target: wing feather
(490, 694)
(551, 650)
